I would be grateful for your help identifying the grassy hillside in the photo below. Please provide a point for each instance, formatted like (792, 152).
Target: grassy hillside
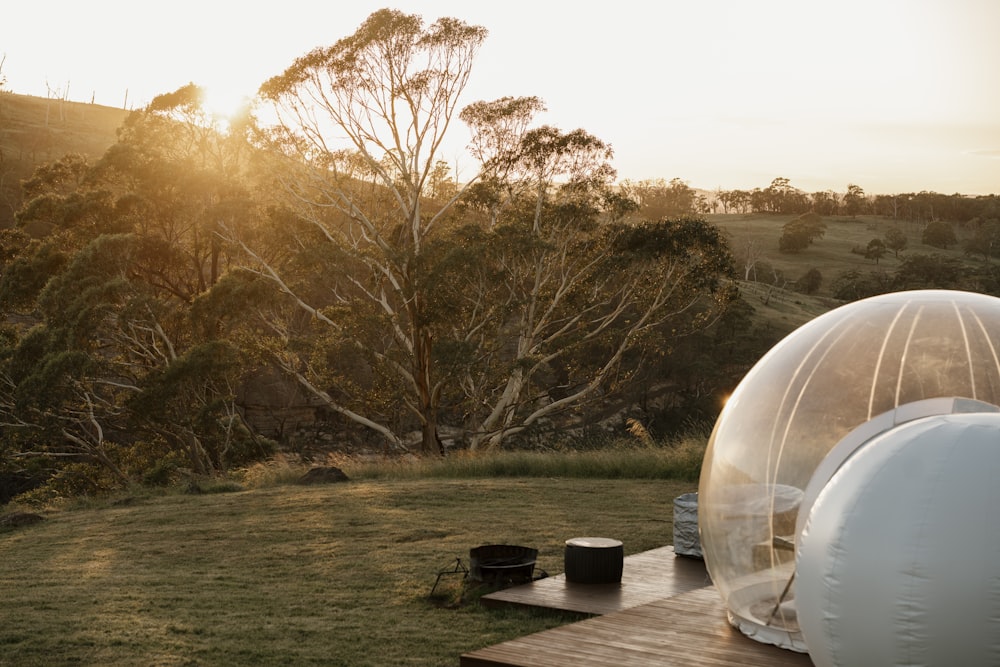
(831, 254)
(36, 130)
(325, 575)
(781, 309)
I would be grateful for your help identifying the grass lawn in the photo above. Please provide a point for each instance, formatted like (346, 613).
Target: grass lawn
(296, 575)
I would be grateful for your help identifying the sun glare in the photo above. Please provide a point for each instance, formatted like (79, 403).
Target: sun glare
(224, 105)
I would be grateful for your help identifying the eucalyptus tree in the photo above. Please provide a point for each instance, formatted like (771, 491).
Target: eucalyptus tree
(800, 232)
(108, 367)
(876, 249)
(513, 301)
(659, 199)
(854, 201)
(110, 377)
(578, 297)
(361, 125)
(895, 240)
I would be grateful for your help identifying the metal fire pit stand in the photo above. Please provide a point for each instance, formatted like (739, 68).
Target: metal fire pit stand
(457, 569)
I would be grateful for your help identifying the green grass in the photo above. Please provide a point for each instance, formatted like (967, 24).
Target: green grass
(783, 310)
(831, 254)
(333, 575)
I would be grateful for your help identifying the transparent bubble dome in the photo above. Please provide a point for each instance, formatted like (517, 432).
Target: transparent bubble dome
(827, 378)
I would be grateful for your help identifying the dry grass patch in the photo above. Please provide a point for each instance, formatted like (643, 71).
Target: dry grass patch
(337, 574)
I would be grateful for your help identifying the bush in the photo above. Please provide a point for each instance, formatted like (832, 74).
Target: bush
(939, 235)
(799, 233)
(810, 281)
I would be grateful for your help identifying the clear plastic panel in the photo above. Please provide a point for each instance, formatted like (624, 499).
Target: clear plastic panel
(812, 389)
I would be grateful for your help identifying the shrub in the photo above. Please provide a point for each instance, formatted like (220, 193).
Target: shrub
(939, 235)
(810, 281)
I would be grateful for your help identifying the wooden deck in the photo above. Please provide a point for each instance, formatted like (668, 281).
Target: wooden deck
(664, 613)
(646, 577)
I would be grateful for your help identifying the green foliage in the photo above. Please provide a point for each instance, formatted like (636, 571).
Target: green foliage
(50, 384)
(187, 98)
(875, 249)
(27, 274)
(855, 201)
(67, 482)
(895, 240)
(852, 285)
(124, 247)
(656, 199)
(939, 235)
(191, 397)
(800, 232)
(673, 238)
(163, 471)
(810, 281)
(778, 197)
(985, 238)
(929, 272)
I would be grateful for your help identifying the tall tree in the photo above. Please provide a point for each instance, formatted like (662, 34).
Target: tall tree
(659, 199)
(495, 310)
(575, 293)
(895, 240)
(825, 203)
(854, 201)
(939, 234)
(875, 249)
(780, 197)
(361, 125)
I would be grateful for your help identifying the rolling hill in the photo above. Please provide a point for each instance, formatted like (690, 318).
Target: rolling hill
(36, 130)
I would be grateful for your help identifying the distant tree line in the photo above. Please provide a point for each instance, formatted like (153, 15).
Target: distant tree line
(780, 197)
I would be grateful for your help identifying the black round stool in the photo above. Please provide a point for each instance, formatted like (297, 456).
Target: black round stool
(594, 560)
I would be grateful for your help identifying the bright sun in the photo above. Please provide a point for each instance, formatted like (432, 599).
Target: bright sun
(223, 104)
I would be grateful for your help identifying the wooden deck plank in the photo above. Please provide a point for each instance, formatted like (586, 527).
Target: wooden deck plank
(646, 577)
(687, 630)
(665, 612)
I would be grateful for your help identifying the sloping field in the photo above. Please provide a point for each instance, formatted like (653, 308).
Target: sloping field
(325, 575)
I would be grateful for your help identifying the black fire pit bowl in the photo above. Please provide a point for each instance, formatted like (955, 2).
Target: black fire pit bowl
(502, 563)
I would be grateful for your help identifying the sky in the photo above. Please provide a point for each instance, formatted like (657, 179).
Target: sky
(892, 95)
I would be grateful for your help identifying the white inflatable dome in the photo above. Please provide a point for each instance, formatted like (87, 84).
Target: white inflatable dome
(899, 560)
(844, 373)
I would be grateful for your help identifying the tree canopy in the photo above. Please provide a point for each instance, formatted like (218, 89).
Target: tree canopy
(321, 246)
(800, 232)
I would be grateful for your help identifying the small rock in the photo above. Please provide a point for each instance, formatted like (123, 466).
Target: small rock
(323, 475)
